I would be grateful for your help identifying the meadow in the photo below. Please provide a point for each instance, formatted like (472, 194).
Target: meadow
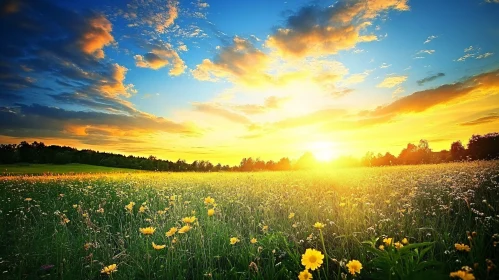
(54, 169)
(403, 222)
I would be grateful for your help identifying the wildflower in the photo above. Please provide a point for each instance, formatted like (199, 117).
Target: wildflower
(109, 269)
(291, 215)
(100, 210)
(184, 229)
(354, 266)
(382, 247)
(464, 275)
(234, 240)
(265, 228)
(65, 220)
(87, 246)
(171, 232)
(75, 206)
(129, 207)
(253, 240)
(319, 226)
(462, 247)
(398, 245)
(342, 204)
(28, 199)
(405, 241)
(387, 241)
(312, 259)
(305, 275)
(209, 200)
(189, 220)
(211, 212)
(174, 240)
(158, 247)
(84, 215)
(147, 230)
(142, 209)
(161, 212)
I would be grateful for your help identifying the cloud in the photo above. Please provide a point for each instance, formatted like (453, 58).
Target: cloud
(315, 31)
(153, 14)
(220, 111)
(422, 100)
(384, 65)
(470, 48)
(430, 38)
(238, 62)
(426, 51)
(57, 122)
(430, 78)
(356, 78)
(485, 55)
(270, 103)
(466, 56)
(392, 81)
(96, 36)
(160, 55)
(482, 120)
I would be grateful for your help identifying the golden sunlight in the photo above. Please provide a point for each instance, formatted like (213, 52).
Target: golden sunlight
(322, 150)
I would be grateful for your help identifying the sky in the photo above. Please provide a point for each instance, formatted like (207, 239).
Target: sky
(223, 80)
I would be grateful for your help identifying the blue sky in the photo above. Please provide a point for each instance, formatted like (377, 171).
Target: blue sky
(224, 80)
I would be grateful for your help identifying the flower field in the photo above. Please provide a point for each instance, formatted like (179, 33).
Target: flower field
(404, 222)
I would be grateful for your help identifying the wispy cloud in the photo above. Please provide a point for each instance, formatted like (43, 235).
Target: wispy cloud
(392, 81)
(430, 38)
(482, 120)
(430, 78)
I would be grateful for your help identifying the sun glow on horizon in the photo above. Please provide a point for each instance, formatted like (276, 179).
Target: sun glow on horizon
(322, 150)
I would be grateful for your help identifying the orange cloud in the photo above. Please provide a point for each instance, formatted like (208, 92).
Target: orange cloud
(392, 81)
(315, 31)
(96, 35)
(153, 13)
(159, 57)
(115, 85)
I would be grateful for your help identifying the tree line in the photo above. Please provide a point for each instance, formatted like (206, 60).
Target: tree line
(479, 147)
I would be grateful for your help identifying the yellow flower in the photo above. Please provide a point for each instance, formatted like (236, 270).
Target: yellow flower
(130, 206)
(184, 229)
(28, 199)
(398, 245)
(253, 240)
(143, 208)
(312, 259)
(100, 210)
(342, 204)
(265, 228)
(234, 240)
(147, 230)
(382, 247)
(66, 220)
(87, 246)
(75, 206)
(461, 274)
(305, 275)
(387, 241)
(158, 247)
(211, 212)
(405, 241)
(462, 247)
(291, 215)
(109, 269)
(209, 200)
(189, 220)
(171, 232)
(319, 226)
(161, 212)
(354, 266)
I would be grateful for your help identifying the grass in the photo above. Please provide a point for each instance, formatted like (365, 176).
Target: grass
(71, 227)
(40, 169)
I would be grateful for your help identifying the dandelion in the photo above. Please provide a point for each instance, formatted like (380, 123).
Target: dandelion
(234, 240)
(184, 229)
(253, 240)
(189, 220)
(211, 212)
(405, 241)
(147, 230)
(209, 200)
(342, 204)
(158, 247)
(161, 212)
(129, 207)
(291, 215)
(109, 269)
(265, 228)
(312, 259)
(319, 226)
(387, 241)
(171, 232)
(305, 275)
(142, 209)
(398, 245)
(354, 266)
(461, 274)
(382, 247)
(462, 247)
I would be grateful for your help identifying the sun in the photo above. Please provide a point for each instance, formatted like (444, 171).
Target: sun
(322, 150)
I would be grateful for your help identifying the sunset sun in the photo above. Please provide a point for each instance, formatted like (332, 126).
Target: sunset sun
(322, 150)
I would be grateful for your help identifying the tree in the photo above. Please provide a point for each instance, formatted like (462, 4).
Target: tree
(457, 151)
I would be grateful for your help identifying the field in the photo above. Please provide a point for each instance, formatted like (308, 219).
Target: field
(41, 169)
(405, 222)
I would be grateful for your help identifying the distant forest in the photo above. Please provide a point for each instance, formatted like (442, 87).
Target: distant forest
(479, 147)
